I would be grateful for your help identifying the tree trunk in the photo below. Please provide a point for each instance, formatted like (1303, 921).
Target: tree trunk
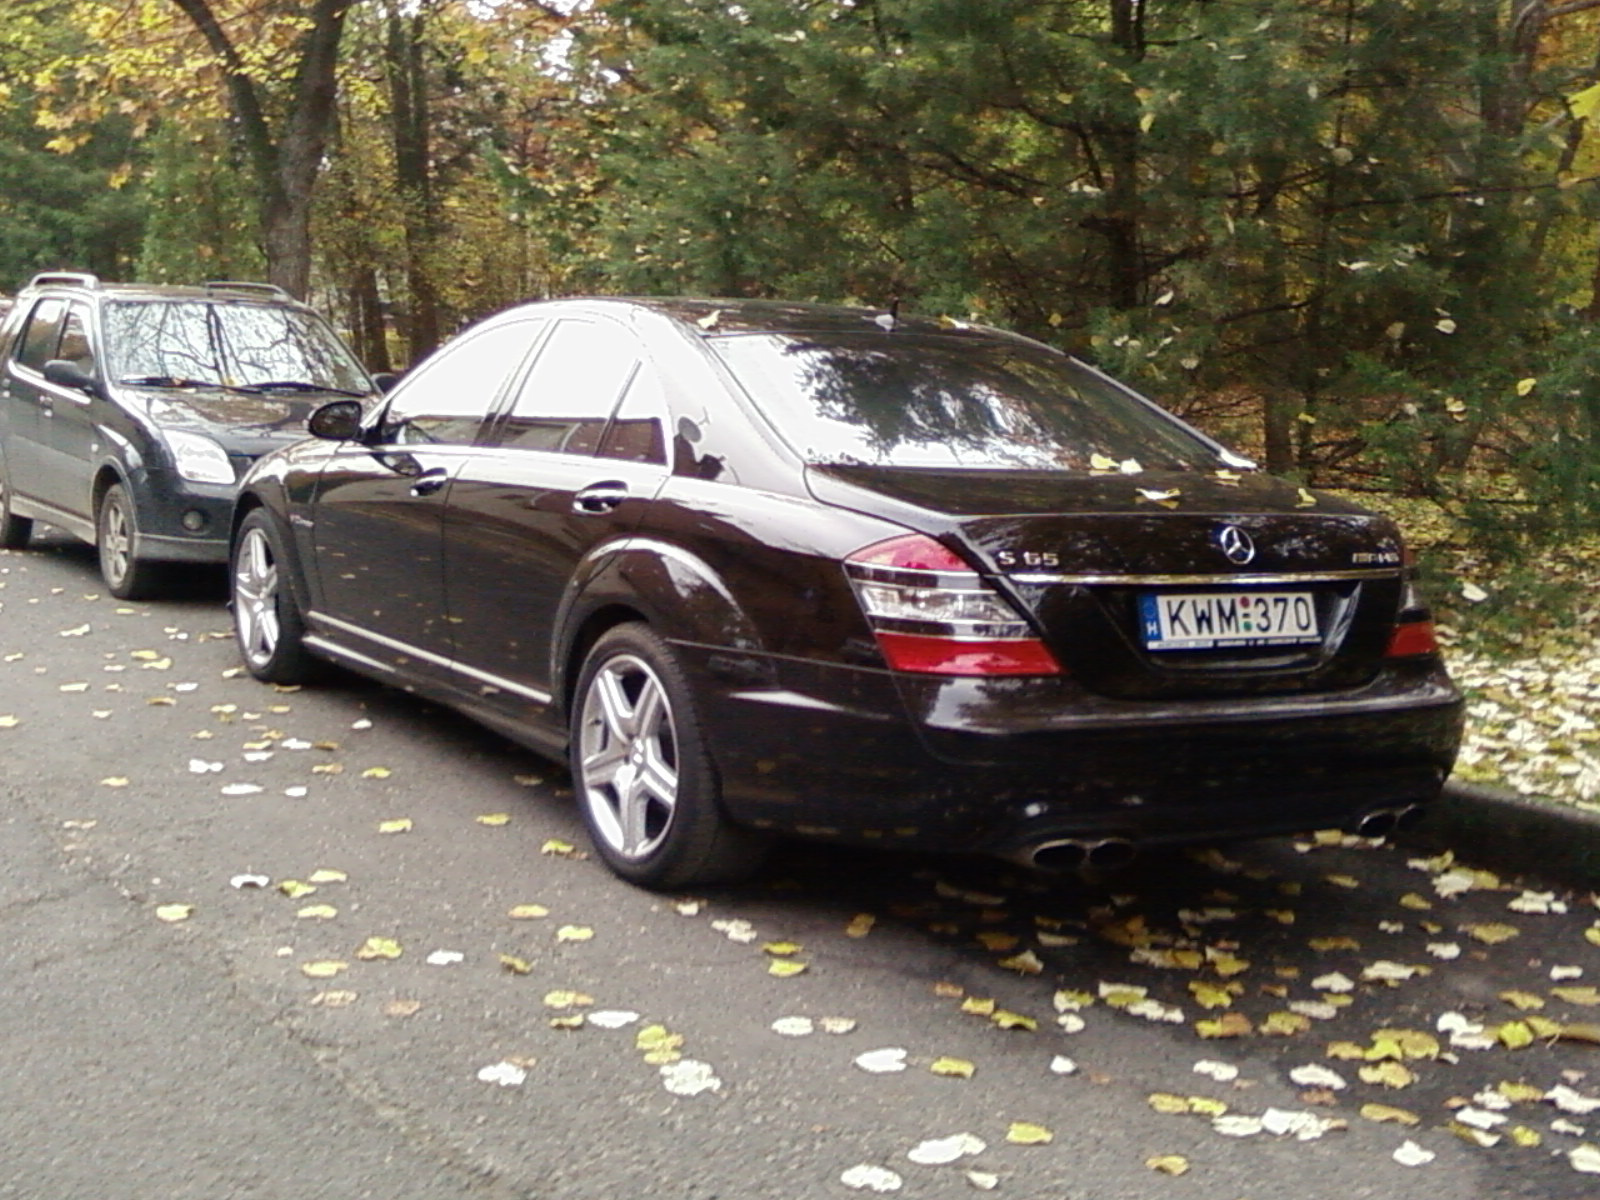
(285, 161)
(411, 133)
(366, 312)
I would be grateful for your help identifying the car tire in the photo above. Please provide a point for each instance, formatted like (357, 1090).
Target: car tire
(14, 530)
(116, 532)
(645, 782)
(266, 618)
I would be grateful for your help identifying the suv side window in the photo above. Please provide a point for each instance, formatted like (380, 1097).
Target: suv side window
(75, 345)
(568, 397)
(42, 333)
(447, 398)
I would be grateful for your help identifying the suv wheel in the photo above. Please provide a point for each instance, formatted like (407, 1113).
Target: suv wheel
(14, 530)
(127, 577)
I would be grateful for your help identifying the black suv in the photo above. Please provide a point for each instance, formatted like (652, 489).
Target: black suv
(129, 411)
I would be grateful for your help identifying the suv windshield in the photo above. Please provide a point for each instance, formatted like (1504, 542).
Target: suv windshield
(927, 401)
(231, 344)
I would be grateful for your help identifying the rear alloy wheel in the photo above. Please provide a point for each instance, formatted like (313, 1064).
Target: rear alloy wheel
(645, 783)
(266, 619)
(14, 531)
(127, 577)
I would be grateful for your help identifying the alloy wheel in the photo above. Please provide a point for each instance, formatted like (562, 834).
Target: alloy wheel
(627, 758)
(255, 598)
(116, 540)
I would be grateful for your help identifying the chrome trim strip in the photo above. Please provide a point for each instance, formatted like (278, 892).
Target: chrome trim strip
(1256, 579)
(399, 647)
(334, 650)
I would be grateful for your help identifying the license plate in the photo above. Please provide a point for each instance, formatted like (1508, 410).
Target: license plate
(1208, 620)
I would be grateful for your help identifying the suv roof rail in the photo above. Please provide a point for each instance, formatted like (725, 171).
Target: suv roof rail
(70, 278)
(242, 285)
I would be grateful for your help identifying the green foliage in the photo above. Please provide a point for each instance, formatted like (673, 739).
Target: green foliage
(202, 221)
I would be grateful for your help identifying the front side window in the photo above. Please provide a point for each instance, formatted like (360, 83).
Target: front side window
(913, 400)
(227, 344)
(75, 345)
(447, 397)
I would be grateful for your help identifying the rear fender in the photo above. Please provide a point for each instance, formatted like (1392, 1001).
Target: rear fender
(641, 578)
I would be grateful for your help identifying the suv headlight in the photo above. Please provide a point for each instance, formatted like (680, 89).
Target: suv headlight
(198, 458)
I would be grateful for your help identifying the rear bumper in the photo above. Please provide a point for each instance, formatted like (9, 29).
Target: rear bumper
(995, 766)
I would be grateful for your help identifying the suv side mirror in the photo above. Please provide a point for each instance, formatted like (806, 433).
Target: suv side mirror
(336, 421)
(63, 373)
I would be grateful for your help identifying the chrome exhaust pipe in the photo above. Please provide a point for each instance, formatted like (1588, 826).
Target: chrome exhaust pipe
(1076, 854)
(1378, 823)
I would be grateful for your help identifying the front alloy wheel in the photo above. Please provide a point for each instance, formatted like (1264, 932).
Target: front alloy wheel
(266, 620)
(645, 782)
(127, 577)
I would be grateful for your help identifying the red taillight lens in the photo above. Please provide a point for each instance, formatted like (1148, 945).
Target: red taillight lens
(933, 614)
(1411, 639)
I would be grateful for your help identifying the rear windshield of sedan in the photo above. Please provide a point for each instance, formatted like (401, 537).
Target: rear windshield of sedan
(912, 400)
(233, 345)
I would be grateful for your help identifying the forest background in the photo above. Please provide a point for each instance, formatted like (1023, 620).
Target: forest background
(1357, 239)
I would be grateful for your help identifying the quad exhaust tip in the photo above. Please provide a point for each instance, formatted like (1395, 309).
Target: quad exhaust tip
(1078, 854)
(1381, 822)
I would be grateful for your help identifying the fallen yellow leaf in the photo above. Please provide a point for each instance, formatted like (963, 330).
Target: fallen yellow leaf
(1168, 1164)
(494, 819)
(785, 968)
(172, 913)
(317, 912)
(956, 1067)
(528, 912)
(323, 968)
(517, 966)
(1025, 1133)
(860, 925)
(574, 933)
(782, 949)
(400, 825)
(1388, 1113)
(378, 947)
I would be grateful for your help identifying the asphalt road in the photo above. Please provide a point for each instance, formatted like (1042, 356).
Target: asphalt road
(145, 1056)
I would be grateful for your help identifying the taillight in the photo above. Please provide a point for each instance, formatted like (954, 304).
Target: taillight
(1413, 634)
(1411, 639)
(933, 614)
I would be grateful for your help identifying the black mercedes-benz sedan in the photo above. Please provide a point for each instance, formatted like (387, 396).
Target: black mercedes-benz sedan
(761, 568)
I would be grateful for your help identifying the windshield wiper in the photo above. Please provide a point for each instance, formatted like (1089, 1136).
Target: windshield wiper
(300, 385)
(166, 381)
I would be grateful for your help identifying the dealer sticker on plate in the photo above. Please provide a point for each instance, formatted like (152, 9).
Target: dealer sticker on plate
(1207, 620)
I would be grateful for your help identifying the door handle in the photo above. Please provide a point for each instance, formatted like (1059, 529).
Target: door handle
(430, 482)
(599, 497)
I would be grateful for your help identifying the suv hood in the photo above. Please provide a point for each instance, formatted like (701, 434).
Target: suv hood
(243, 422)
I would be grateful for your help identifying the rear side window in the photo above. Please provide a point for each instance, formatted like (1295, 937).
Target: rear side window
(42, 333)
(568, 398)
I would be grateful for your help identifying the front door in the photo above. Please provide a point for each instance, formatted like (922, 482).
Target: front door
(379, 506)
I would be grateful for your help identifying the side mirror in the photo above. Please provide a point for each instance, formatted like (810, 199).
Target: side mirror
(67, 374)
(337, 421)
(385, 381)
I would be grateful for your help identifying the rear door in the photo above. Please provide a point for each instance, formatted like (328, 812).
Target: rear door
(27, 398)
(581, 451)
(379, 507)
